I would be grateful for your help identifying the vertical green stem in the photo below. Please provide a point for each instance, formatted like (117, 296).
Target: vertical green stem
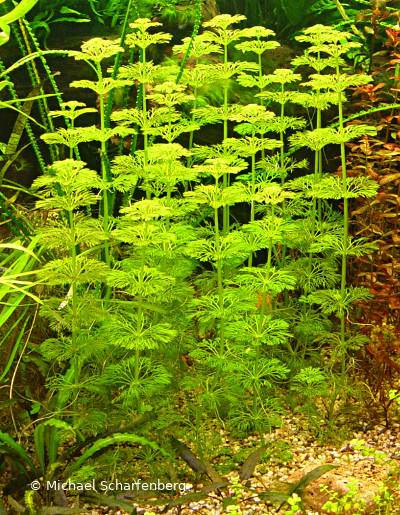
(318, 167)
(139, 316)
(225, 178)
(313, 223)
(191, 134)
(110, 99)
(138, 328)
(260, 70)
(282, 149)
(71, 150)
(104, 174)
(74, 299)
(253, 185)
(345, 228)
(195, 31)
(144, 109)
(253, 191)
(282, 163)
(219, 279)
(169, 188)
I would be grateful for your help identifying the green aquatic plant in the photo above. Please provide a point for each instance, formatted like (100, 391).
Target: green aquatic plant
(336, 83)
(199, 276)
(70, 187)
(317, 100)
(196, 27)
(254, 120)
(290, 18)
(144, 71)
(12, 277)
(198, 77)
(17, 12)
(351, 500)
(237, 341)
(140, 331)
(256, 45)
(220, 248)
(93, 53)
(219, 32)
(42, 466)
(17, 296)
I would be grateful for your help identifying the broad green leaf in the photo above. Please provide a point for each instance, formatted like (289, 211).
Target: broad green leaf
(310, 477)
(114, 439)
(5, 33)
(16, 449)
(18, 12)
(16, 246)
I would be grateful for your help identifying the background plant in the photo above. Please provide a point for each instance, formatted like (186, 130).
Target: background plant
(376, 157)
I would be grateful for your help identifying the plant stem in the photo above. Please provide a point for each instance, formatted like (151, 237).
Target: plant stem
(225, 177)
(253, 191)
(144, 109)
(282, 164)
(318, 167)
(191, 134)
(345, 228)
(74, 325)
(110, 99)
(137, 350)
(104, 173)
(139, 316)
(219, 280)
(260, 73)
